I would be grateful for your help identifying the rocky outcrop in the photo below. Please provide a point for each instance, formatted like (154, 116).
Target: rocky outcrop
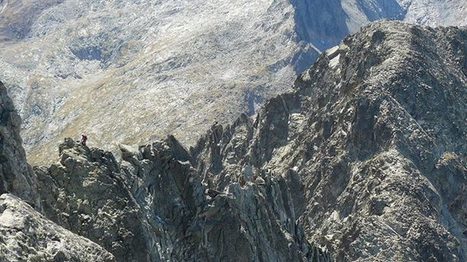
(26, 235)
(84, 193)
(155, 207)
(16, 175)
(246, 222)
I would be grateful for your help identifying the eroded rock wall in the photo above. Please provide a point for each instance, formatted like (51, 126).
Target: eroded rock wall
(16, 175)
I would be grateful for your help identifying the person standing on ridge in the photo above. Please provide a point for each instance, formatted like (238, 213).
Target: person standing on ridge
(84, 138)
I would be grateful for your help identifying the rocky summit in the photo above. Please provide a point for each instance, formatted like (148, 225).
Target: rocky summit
(25, 233)
(364, 160)
(128, 71)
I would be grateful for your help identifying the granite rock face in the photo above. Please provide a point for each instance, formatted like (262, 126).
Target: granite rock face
(366, 158)
(26, 235)
(155, 207)
(84, 194)
(16, 175)
(373, 142)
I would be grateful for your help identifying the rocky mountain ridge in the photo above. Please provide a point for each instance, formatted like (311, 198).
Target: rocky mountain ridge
(129, 72)
(25, 234)
(365, 160)
(154, 207)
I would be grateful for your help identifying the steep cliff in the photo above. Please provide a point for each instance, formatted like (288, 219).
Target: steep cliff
(25, 234)
(16, 175)
(375, 136)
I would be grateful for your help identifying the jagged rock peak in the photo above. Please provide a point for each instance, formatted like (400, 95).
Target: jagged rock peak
(25, 234)
(365, 158)
(373, 140)
(84, 193)
(177, 215)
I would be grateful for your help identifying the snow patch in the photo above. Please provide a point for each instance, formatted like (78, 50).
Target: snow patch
(334, 62)
(331, 51)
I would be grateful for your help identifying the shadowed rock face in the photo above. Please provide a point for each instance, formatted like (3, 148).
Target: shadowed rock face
(321, 22)
(155, 207)
(16, 175)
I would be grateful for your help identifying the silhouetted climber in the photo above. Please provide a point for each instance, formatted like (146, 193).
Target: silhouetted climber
(84, 138)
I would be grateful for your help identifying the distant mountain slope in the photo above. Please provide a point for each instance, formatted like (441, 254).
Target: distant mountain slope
(125, 71)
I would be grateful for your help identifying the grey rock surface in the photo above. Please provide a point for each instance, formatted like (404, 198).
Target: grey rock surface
(16, 175)
(156, 208)
(26, 235)
(252, 222)
(131, 71)
(83, 194)
(374, 141)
